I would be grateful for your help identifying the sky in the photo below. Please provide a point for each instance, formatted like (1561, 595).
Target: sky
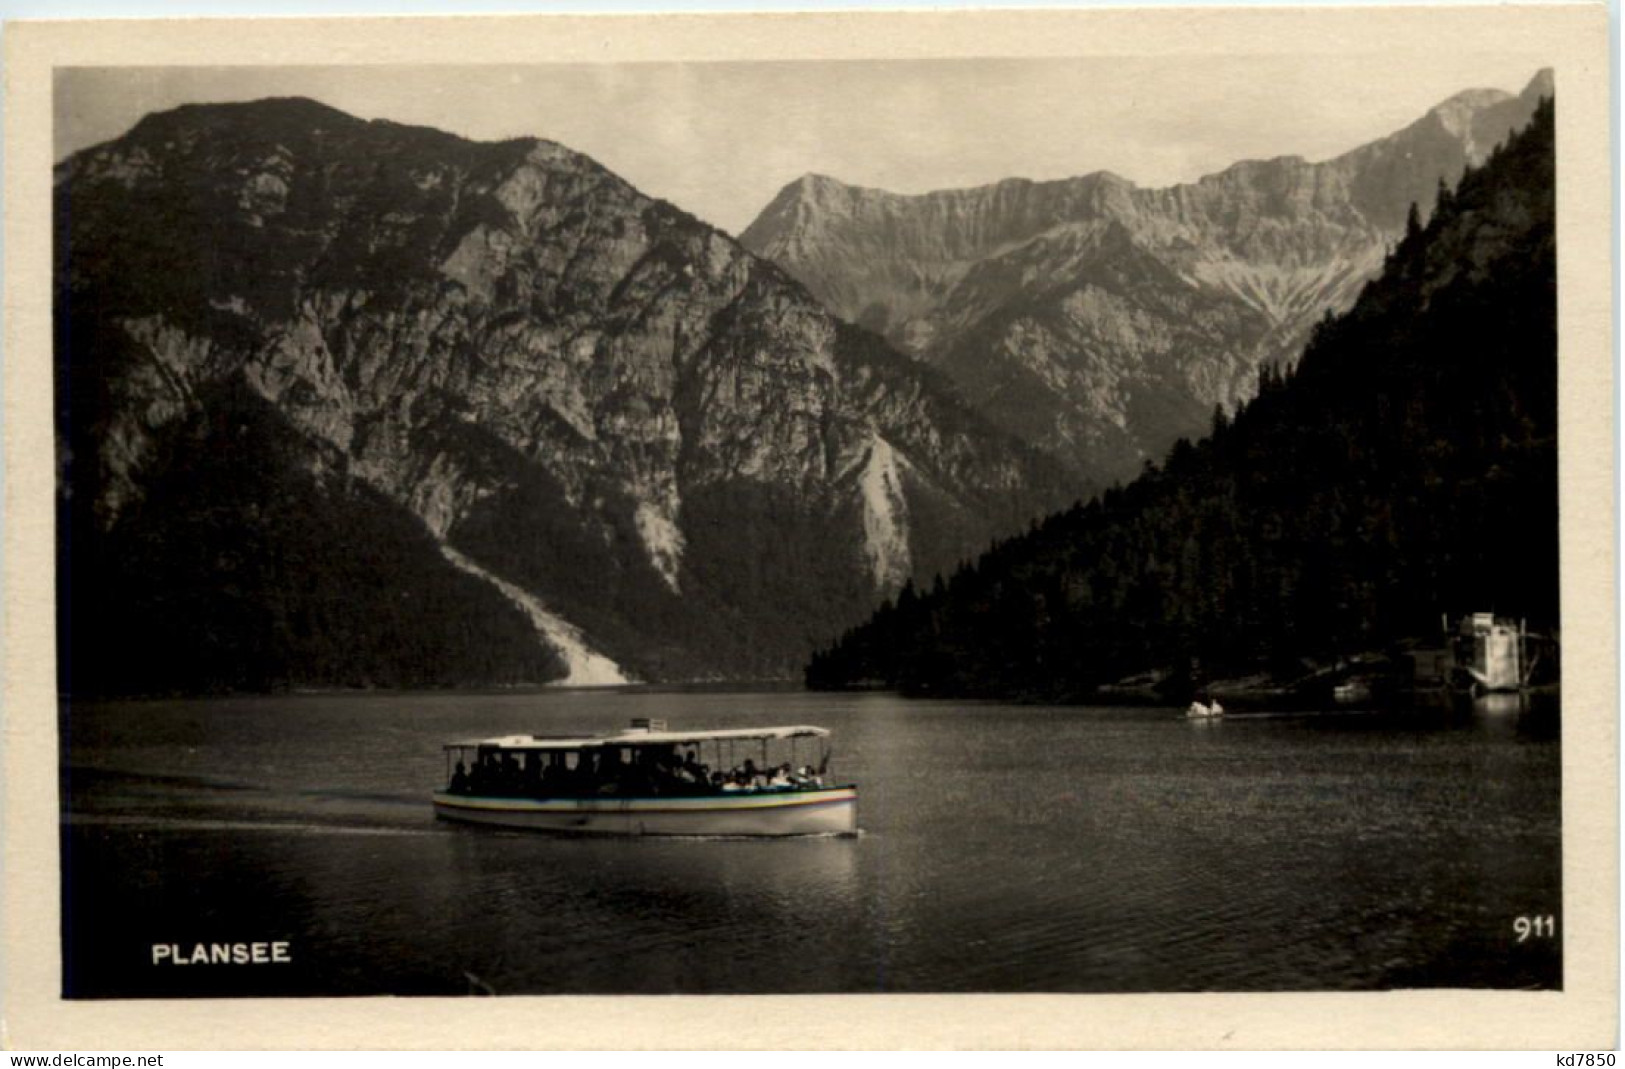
(721, 139)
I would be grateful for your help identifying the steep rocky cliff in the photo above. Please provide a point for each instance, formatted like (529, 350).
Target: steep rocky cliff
(576, 412)
(1101, 321)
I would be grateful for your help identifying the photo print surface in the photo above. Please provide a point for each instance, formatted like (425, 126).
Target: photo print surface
(1050, 525)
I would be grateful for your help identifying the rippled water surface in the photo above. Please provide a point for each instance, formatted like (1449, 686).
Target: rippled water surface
(1004, 848)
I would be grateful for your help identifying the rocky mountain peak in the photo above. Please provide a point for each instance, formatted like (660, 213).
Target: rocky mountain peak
(816, 186)
(647, 439)
(1458, 113)
(1100, 320)
(1472, 99)
(1543, 84)
(301, 114)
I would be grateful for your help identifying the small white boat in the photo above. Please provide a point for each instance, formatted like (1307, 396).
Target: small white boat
(650, 781)
(1199, 711)
(1351, 692)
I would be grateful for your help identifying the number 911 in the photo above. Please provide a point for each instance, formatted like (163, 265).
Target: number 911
(1542, 927)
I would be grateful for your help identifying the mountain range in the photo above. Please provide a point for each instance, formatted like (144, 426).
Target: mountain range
(1098, 320)
(346, 402)
(352, 403)
(1404, 470)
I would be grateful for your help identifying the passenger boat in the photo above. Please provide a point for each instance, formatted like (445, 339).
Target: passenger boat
(1200, 711)
(651, 781)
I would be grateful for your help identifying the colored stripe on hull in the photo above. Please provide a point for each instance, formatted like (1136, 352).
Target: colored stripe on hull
(827, 812)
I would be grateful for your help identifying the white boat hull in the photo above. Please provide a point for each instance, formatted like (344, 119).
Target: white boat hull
(831, 811)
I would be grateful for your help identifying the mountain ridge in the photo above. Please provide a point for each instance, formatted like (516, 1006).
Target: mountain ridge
(1404, 468)
(976, 281)
(581, 391)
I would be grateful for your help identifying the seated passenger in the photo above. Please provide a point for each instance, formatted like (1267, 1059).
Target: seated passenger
(582, 779)
(780, 777)
(642, 779)
(609, 771)
(459, 780)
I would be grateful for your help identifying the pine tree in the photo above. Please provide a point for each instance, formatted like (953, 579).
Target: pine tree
(1442, 199)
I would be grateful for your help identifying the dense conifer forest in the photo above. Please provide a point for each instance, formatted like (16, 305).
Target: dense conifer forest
(1405, 468)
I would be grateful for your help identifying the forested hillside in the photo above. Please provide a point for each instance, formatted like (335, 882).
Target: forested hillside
(1406, 467)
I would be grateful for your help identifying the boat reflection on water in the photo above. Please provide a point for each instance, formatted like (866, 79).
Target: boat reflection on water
(1501, 703)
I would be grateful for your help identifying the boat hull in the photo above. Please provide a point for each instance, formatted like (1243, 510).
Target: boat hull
(832, 811)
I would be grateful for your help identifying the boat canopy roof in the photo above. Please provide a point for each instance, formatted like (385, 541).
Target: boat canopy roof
(636, 737)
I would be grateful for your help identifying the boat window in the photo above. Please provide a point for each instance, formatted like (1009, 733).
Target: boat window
(632, 769)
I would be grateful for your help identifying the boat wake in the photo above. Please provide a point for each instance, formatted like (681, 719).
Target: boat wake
(219, 824)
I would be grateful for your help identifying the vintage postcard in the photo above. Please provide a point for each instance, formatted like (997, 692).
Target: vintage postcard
(971, 529)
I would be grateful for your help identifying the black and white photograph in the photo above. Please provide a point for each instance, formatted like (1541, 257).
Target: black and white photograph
(1073, 523)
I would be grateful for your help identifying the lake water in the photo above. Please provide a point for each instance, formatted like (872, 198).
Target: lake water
(1004, 848)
